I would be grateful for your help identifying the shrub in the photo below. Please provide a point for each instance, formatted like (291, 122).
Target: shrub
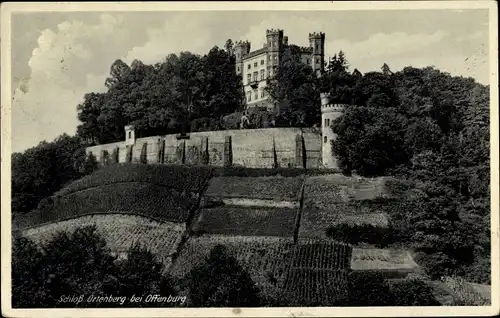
(115, 156)
(221, 282)
(129, 154)
(80, 263)
(411, 292)
(437, 264)
(144, 154)
(463, 293)
(368, 289)
(355, 234)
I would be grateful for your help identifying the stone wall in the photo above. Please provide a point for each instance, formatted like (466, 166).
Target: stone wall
(253, 148)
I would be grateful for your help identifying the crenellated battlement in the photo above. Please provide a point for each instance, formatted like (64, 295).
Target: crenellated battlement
(242, 43)
(333, 107)
(305, 49)
(273, 31)
(316, 35)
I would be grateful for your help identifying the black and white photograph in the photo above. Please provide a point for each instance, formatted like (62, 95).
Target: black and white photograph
(225, 159)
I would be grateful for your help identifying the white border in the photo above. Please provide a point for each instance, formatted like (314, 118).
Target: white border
(8, 8)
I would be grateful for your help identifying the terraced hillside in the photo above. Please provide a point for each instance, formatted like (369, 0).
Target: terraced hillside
(280, 237)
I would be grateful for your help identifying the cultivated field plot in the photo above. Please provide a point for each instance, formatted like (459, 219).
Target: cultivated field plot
(382, 260)
(246, 221)
(318, 273)
(327, 190)
(270, 188)
(266, 258)
(321, 255)
(315, 287)
(120, 232)
(188, 178)
(315, 222)
(144, 199)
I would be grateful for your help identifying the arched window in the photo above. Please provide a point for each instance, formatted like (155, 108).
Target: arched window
(326, 139)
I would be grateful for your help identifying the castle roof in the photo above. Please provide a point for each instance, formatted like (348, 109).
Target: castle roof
(255, 53)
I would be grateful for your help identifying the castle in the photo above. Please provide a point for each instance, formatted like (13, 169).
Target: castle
(253, 148)
(256, 66)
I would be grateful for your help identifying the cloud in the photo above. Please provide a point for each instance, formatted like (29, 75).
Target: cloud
(67, 63)
(174, 36)
(387, 44)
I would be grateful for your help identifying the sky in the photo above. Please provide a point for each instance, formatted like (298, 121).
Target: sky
(57, 57)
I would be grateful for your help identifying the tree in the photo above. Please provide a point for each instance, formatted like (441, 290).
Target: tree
(80, 263)
(118, 72)
(221, 282)
(296, 86)
(229, 46)
(44, 169)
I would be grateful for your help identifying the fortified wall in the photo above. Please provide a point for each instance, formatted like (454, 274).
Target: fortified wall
(252, 148)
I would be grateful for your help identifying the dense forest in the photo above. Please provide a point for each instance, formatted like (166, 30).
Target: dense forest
(424, 126)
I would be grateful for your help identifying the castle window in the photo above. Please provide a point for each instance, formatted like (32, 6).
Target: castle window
(255, 64)
(249, 78)
(255, 74)
(261, 62)
(261, 75)
(249, 66)
(130, 133)
(328, 122)
(326, 139)
(256, 94)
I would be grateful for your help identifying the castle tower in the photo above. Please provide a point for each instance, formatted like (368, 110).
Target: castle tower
(274, 40)
(329, 113)
(129, 135)
(317, 43)
(241, 48)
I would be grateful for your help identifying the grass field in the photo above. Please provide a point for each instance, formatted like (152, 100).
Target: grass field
(382, 259)
(315, 221)
(120, 232)
(271, 188)
(327, 190)
(156, 202)
(183, 178)
(246, 221)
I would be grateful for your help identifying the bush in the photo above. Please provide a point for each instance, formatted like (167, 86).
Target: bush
(368, 289)
(437, 264)
(221, 282)
(355, 234)
(144, 154)
(411, 292)
(79, 263)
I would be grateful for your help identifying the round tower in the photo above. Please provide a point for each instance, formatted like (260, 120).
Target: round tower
(329, 112)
